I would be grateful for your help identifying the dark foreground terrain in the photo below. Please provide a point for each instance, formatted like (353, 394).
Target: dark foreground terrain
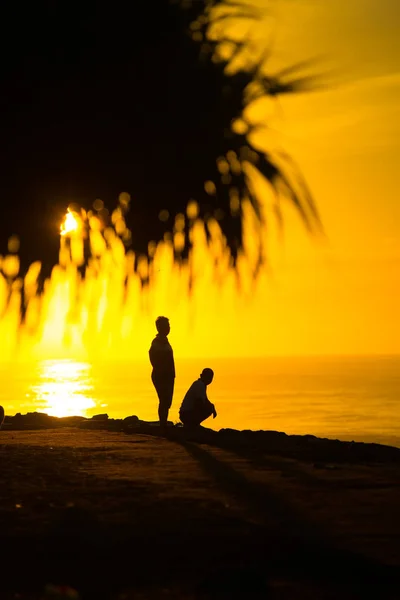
(132, 514)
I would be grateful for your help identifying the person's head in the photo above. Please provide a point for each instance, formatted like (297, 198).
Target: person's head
(162, 325)
(207, 375)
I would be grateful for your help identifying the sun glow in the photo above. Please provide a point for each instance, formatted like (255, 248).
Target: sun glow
(64, 388)
(104, 312)
(70, 223)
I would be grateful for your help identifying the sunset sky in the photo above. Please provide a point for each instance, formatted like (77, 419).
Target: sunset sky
(342, 296)
(336, 295)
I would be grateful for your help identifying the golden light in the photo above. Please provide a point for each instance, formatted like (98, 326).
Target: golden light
(65, 388)
(70, 223)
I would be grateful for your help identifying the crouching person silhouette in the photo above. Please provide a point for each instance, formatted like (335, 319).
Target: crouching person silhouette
(196, 406)
(163, 374)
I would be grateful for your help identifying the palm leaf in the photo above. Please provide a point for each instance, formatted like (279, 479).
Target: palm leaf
(176, 111)
(278, 170)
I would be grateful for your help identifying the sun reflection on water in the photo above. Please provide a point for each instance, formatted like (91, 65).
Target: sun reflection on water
(65, 388)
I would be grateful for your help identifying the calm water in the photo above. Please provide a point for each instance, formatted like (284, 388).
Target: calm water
(346, 398)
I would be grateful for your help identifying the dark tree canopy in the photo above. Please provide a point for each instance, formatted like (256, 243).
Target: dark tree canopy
(103, 98)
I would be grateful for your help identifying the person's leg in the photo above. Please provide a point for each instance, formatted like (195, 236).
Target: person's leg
(165, 392)
(163, 409)
(195, 417)
(159, 387)
(187, 418)
(204, 412)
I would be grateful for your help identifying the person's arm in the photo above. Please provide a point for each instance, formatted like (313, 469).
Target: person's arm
(214, 413)
(154, 355)
(203, 394)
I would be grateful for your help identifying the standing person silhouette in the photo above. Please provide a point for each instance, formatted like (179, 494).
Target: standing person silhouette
(163, 374)
(1, 416)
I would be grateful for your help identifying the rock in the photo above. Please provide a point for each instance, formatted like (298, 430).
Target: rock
(34, 420)
(132, 420)
(102, 417)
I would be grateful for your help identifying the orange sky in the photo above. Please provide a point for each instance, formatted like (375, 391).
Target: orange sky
(342, 296)
(335, 296)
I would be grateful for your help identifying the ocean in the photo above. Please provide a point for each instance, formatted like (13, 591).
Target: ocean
(348, 398)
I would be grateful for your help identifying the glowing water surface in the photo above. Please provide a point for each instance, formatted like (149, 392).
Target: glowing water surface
(64, 388)
(345, 398)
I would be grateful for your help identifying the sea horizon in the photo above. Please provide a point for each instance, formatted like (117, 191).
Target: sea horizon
(345, 397)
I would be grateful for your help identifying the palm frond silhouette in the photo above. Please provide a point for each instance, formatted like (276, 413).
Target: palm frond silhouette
(220, 185)
(155, 106)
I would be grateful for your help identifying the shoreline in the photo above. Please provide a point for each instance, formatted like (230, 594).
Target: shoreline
(303, 447)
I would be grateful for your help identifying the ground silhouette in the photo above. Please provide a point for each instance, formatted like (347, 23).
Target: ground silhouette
(108, 513)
